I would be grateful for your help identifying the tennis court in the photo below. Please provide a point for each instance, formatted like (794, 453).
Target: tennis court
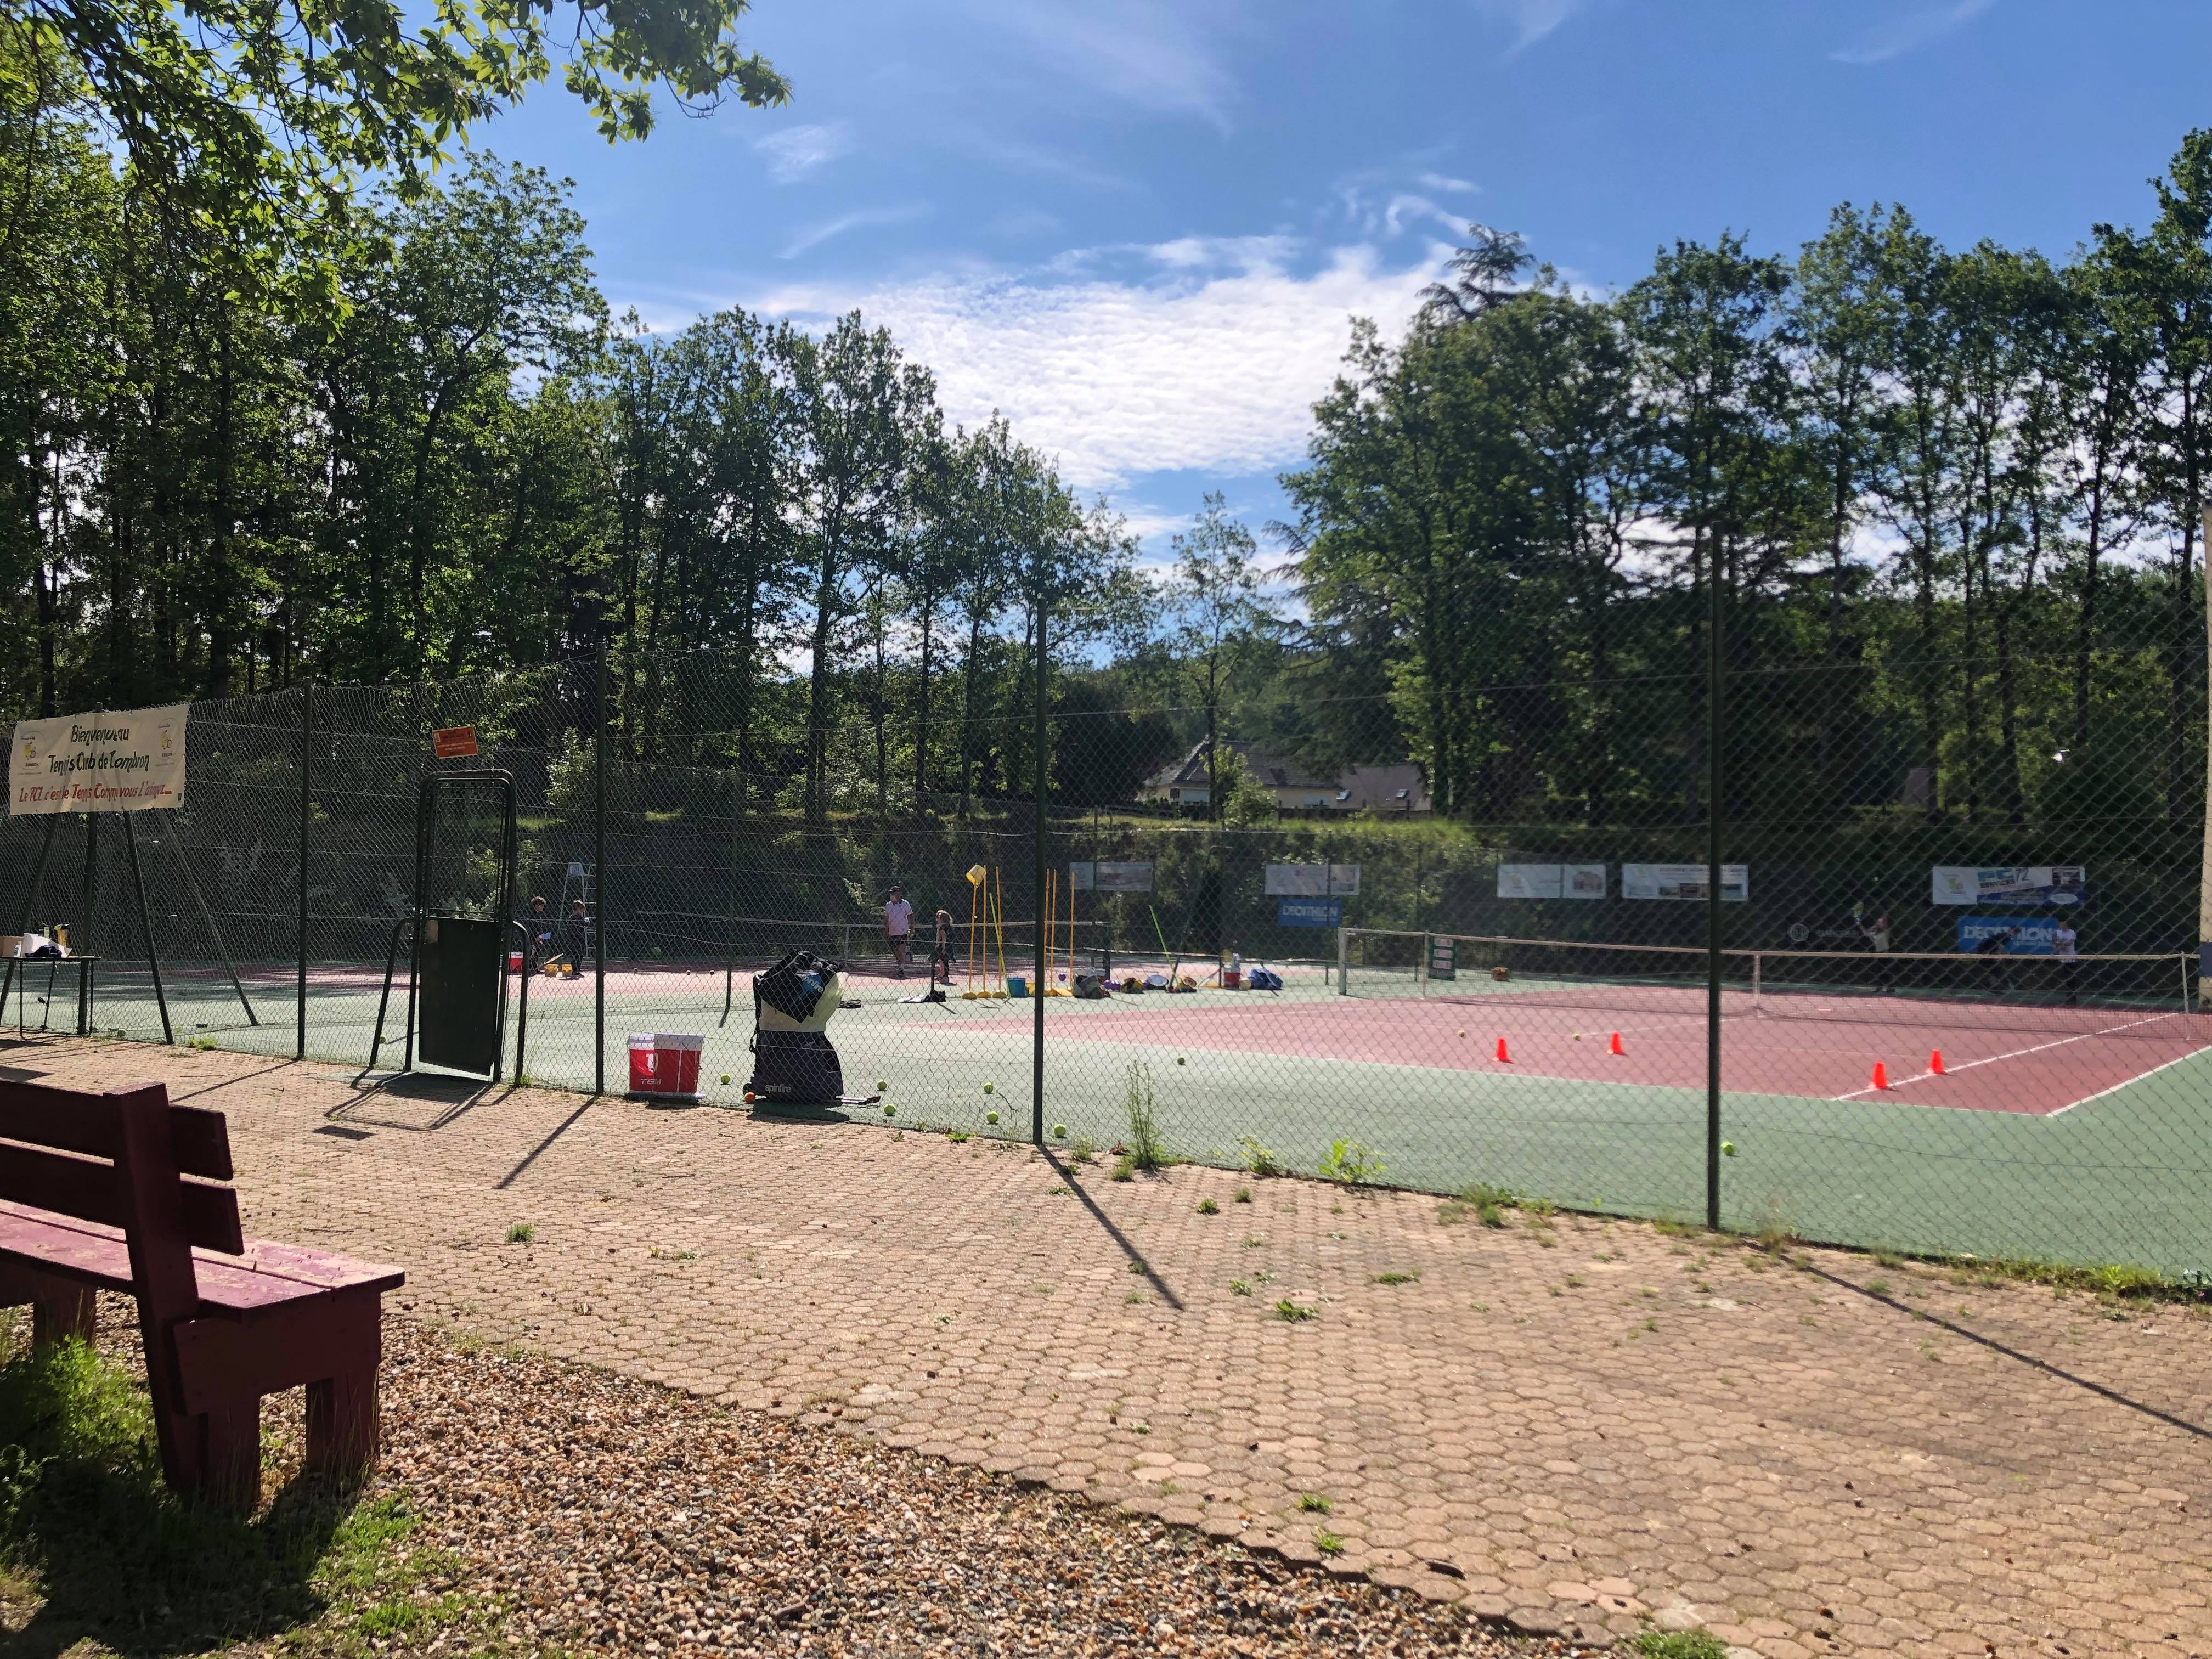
(2074, 1132)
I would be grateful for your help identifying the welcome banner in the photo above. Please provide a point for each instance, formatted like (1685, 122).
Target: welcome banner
(127, 761)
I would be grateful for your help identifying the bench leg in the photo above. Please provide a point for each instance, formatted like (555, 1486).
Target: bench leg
(230, 1456)
(64, 1313)
(342, 1425)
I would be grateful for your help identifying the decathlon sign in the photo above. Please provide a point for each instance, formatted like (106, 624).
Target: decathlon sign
(125, 762)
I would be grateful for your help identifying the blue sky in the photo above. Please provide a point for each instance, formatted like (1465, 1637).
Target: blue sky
(1139, 228)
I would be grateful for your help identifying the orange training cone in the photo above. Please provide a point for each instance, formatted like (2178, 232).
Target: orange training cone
(1502, 1055)
(1613, 1047)
(1935, 1063)
(1881, 1075)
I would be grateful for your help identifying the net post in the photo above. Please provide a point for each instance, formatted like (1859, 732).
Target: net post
(1758, 961)
(1343, 961)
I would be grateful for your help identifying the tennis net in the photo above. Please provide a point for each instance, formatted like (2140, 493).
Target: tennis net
(1906, 987)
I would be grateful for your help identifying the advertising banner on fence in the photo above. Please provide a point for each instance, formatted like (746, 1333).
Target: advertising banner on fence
(2030, 936)
(109, 763)
(2009, 883)
(1683, 881)
(1309, 913)
(1105, 878)
(1550, 881)
(1312, 880)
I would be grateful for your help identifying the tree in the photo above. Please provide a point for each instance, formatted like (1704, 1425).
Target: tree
(1221, 617)
(257, 124)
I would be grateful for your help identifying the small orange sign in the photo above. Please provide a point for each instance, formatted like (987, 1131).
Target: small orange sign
(453, 742)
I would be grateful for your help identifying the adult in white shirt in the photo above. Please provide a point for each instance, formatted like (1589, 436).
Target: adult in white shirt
(2065, 945)
(898, 927)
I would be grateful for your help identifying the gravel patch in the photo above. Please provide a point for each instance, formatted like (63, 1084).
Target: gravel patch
(617, 1515)
(592, 1512)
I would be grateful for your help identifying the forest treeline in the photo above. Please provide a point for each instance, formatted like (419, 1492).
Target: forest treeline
(1950, 499)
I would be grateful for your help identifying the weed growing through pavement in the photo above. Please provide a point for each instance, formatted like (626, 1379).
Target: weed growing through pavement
(956, 1136)
(1253, 1242)
(1258, 1159)
(1055, 1192)
(1314, 1503)
(1483, 1202)
(1207, 1207)
(1353, 1162)
(1240, 1287)
(1123, 1169)
(1680, 1645)
(1292, 1313)
(1243, 1195)
(1576, 1281)
(1083, 1151)
(1397, 1278)
(521, 1233)
(1328, 1542)
(1146, 1150)
(1136, 1267)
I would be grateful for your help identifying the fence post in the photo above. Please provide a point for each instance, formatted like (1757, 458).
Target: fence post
(1714, 728)
(306, 813)
(146, 922)
(1043, 971)
(599, 876)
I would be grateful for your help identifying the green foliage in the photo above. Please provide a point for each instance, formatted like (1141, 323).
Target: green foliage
(257, 124)
(1259, 1160)
(1146, 1149)
(1486, 1203)
(521, 1233)
(1353, 1162)
(1312, 1502)
(1207, 1207)
(85, 1514)
(1293, 1313)
(1680, 1645)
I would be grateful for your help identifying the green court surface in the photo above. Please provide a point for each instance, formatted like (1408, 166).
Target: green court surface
(2117, 1177)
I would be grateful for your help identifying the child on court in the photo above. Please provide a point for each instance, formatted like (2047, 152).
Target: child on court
(940, 955)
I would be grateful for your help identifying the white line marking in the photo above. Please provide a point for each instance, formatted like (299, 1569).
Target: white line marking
(2129, 1084)
(1953, 1071)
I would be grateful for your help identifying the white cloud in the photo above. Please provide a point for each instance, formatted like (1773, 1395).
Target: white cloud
(1212, 366)
(1148, 52)
(1439, 181)
(822, 230)
(1909, 31)
(795, 152)
(1530, 19)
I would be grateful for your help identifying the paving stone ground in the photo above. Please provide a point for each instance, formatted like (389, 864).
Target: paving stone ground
(1567, 1421)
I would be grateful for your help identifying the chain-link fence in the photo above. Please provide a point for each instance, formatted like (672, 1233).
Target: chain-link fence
(1945, 999)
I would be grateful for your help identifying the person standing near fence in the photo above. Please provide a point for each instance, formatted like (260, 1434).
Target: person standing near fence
(1877, 938)
(539, 926)
(898, 928)
(2066, 945)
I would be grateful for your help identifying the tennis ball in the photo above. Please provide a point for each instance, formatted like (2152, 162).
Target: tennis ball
(889, 1111)
(725, 1077)
(1462, 1033)
(881, 1086)
(1577, 1036)
(1178, 1059)
(990, 1117)
(990, 1088)
(1059, 1131)
(1728, 1149)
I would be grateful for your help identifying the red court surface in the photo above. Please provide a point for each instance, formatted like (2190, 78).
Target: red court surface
(2036, 1061)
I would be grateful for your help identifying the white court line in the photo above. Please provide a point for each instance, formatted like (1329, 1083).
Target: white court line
(1951, 1070)
(2129, 1084)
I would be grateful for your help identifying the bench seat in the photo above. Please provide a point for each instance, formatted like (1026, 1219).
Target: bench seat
(266, 1277)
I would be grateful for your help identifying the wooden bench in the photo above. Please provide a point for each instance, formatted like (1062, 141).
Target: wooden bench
(118, 1192)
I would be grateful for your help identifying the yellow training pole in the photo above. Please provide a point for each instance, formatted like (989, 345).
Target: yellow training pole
(975, 892)
(998, 905)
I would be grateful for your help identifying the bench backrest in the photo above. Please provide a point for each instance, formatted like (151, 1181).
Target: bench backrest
(127, 1159)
